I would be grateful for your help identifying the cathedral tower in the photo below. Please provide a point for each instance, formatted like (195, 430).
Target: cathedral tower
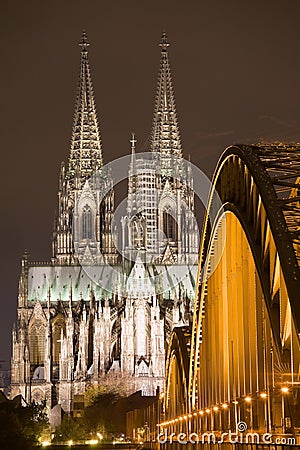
(160, 211)
(83, 228)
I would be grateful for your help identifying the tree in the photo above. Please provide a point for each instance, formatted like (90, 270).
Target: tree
(113, 382)
(105, 412)
(69, 430)
(21, 426)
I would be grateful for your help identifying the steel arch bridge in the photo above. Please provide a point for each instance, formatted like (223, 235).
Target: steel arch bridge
(240, 361)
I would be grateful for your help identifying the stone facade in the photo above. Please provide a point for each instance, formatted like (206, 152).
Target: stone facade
(72, 331)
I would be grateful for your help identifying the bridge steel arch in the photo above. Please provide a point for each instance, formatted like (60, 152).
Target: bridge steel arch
(244, 362)
(176, 393)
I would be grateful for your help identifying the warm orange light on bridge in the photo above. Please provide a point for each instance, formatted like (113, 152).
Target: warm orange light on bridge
(285, 389)
(224, 406)
(263, 395)
(207, 411)
(216, 408)
(248, 399)
(201, 413)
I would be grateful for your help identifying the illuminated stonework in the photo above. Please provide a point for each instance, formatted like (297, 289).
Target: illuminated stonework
(71, 330)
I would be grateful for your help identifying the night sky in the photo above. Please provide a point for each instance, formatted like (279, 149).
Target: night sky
(236, 75)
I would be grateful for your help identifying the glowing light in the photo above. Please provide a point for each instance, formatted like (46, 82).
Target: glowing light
(100, 436)
(194, 414)
(176, 420)
(180, 418)
(207, 411)
(70, 443)
(190, 415)
(235, 402)
(95, 441)
(224, 406)
(248, 399)
(285, 389)
(46, 443)
(185, 417)
(201, 413)
(216, 408)
(263, 395)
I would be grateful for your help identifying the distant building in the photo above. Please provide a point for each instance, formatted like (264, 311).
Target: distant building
(142, 415)
(72, 330)
(5, 374)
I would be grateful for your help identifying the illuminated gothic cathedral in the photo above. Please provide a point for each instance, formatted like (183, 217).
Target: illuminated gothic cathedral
(72, 330)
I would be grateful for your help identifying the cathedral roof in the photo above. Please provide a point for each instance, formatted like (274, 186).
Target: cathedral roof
(61, 282)
(86, 148)
(165, 136)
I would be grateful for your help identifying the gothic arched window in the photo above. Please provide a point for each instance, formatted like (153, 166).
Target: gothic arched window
(37, 337)
(144, 390)
(137, 232)
(38, 396)
(58, 328)
(169, 225)
(86, 222)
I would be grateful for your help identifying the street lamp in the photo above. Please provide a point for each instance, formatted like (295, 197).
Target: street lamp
(248, 400)
(284, 390)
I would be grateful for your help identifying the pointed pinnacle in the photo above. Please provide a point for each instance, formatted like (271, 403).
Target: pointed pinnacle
(164, 44)
(133, 141)
(84, 42)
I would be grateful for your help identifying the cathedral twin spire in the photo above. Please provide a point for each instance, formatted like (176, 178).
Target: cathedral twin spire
(165, 136)
(86, 158)
(86, 148)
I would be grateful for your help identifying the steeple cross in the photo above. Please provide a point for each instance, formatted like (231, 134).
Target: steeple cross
(164, 44)
(84, 42)
(133, 141)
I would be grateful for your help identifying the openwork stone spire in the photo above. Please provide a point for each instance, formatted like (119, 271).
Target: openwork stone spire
(86, 148)
(165, 137)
